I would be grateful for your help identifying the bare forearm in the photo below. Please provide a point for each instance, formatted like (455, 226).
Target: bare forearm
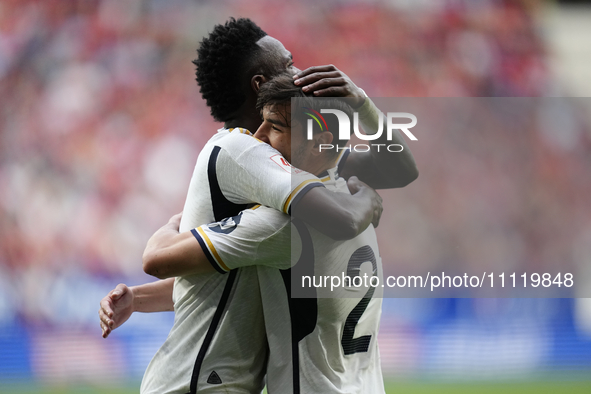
(338, 215)
(153, 297)
(162, 238)
(381, 168)
(396, 169)
(169, 253)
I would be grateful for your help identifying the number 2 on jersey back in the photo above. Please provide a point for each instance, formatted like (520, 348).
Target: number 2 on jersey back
(360, 344)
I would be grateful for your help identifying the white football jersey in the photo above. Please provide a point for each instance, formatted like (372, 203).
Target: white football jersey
(217, 343)
(324, 343)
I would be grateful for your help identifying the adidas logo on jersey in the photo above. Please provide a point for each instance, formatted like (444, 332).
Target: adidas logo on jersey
(214, 378)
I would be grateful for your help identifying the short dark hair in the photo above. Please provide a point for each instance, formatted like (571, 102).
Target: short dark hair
(281, 89)
(222, 59)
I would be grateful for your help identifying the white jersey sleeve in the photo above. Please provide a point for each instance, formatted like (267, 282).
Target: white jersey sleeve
(256, 172)
(256, 236)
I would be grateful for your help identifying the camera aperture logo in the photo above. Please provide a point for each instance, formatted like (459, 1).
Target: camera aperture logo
(345, 129)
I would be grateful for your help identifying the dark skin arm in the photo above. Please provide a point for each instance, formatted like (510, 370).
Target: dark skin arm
(379, 169)
(339, 215)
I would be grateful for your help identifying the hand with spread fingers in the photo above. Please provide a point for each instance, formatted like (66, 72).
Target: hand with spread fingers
(115, 308)
(329, 81)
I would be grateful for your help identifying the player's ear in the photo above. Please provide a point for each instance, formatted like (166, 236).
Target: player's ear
(256, 81)
(324, 137)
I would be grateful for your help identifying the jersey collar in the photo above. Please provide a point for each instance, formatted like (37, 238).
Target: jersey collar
(235, 129)
(329, 176)
(333, 173)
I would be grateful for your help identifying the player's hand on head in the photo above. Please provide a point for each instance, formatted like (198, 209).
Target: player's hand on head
(329, 81)
(356, 186)
(115, 308)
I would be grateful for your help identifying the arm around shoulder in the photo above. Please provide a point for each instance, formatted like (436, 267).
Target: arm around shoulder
(340, 216)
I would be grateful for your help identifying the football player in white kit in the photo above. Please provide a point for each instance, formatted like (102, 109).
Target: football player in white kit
(205, 351)
(322, 343)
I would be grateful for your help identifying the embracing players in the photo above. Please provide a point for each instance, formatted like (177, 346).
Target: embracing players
(205, 351)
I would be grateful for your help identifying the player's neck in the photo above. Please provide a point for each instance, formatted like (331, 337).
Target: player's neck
(246, 117)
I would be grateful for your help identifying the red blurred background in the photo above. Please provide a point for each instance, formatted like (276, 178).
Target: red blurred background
(101, 122)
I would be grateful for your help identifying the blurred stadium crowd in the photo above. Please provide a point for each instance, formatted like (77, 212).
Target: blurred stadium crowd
(101, 122)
